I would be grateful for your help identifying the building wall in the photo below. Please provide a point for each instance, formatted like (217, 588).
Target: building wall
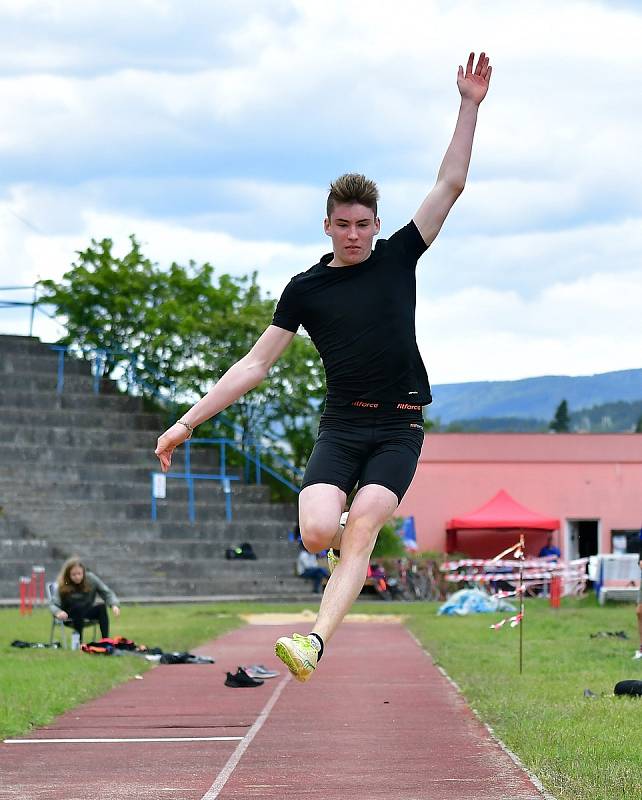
(570, 476)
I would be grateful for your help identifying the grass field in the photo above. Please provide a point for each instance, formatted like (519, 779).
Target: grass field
(581, 749)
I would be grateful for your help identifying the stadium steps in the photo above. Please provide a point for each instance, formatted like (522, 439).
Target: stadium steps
(75, 479)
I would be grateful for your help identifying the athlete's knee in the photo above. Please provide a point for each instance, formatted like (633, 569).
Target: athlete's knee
(638, 611)
(317, 535)
(361, 533)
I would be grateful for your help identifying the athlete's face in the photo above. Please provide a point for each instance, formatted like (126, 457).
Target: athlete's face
(352, 227)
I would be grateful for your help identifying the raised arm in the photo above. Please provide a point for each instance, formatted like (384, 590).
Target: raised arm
(451, 179)
(239, 379)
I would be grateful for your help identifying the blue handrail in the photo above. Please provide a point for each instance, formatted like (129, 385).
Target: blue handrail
(101, 356)
(222, 476)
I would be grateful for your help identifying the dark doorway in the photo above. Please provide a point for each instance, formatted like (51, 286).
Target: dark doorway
(587, 537)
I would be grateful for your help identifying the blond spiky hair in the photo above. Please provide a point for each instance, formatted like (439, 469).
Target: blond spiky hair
(353, 188)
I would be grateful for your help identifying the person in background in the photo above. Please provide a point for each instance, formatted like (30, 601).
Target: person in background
(550, 551)
(307, 566)
(74, 598)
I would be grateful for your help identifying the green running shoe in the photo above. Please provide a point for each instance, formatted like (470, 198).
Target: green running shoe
(298, 654)
(332, 560)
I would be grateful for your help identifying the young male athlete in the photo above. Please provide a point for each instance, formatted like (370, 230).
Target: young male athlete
(358, 306)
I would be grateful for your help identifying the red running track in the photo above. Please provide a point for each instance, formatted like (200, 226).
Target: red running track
(377, 720)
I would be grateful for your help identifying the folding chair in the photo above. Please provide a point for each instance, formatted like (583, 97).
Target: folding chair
(62, 630)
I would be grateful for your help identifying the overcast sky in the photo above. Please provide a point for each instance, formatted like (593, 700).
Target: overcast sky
(212, 130)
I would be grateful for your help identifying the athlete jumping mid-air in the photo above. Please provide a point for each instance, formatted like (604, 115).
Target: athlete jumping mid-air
(358, 306)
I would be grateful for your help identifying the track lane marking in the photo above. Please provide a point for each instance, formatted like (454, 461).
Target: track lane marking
(108, 741)
(224, 775)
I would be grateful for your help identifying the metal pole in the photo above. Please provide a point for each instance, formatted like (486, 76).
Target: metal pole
(190, 480)
(33, 309)
(521, 605)
(61, 371)
(227, 489)
(153, 501)
(190, 491)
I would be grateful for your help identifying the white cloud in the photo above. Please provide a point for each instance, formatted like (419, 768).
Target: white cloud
(211, 132)
(587, 326)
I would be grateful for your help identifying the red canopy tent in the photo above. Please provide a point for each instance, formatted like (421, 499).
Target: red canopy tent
(502, 513)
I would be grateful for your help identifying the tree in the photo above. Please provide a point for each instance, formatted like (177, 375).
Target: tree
(183, 326)
(561, 421)
(638, 427)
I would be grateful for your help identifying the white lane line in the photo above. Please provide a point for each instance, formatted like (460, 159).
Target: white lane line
(224, 775)
(103, 741)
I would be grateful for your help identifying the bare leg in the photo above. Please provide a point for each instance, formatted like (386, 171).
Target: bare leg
(371, 508)
(320, 509)
(639, 615)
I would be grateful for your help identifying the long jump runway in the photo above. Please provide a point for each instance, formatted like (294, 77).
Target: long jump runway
(377, 720)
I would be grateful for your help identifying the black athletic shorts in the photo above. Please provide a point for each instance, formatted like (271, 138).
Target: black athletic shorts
(366, 445)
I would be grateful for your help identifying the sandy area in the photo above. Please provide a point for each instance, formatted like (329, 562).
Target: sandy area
(307, 615)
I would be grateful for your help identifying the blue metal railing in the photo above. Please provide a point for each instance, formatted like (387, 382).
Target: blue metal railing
(189, 477)
(255, 448)
(254, 451)
(34, 305)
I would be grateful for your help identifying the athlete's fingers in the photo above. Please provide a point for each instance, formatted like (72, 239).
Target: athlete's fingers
(488, 74)
(480, 62)
(469, 65)
(484, 69)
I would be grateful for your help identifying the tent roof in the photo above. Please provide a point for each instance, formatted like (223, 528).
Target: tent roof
(503, 512)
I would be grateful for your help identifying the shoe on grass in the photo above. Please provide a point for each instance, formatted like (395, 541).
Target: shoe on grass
(638, 654)
(298, 654)
(241, 680)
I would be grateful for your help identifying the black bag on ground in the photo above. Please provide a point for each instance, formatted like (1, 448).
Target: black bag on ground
(243, 551)
(629, 687)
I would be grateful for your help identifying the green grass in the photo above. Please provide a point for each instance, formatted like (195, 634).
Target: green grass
(581, 749)
(37, 685)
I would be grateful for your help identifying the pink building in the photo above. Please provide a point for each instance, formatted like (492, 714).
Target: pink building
(591, 482)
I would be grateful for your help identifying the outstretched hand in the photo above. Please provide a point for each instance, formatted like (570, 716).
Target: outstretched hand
(473, 84)
(168, 442)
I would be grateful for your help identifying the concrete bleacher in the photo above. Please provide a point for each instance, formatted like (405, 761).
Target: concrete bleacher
(75, 479)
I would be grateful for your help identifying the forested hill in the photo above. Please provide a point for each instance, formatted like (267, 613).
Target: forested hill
(532, 398)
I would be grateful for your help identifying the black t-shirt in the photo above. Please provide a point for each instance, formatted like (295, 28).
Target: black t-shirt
(361, 319)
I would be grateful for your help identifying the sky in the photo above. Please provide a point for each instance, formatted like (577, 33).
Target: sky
(211, 132)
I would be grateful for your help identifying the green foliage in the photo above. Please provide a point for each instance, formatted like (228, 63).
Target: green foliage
(389, 544)
(638, 427)
(188, 327)
(561, 421)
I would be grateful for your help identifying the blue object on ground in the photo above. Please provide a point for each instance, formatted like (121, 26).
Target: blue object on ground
(473, 601)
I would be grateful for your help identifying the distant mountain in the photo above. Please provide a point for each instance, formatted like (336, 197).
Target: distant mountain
(617, 417)
(532, 398)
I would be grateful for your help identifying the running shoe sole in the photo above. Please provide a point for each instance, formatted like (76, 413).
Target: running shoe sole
(302, 669)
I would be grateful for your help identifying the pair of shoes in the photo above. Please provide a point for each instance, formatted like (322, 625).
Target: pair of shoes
(241, 680)
(261, 671)
(638, 654)
(298, 654)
